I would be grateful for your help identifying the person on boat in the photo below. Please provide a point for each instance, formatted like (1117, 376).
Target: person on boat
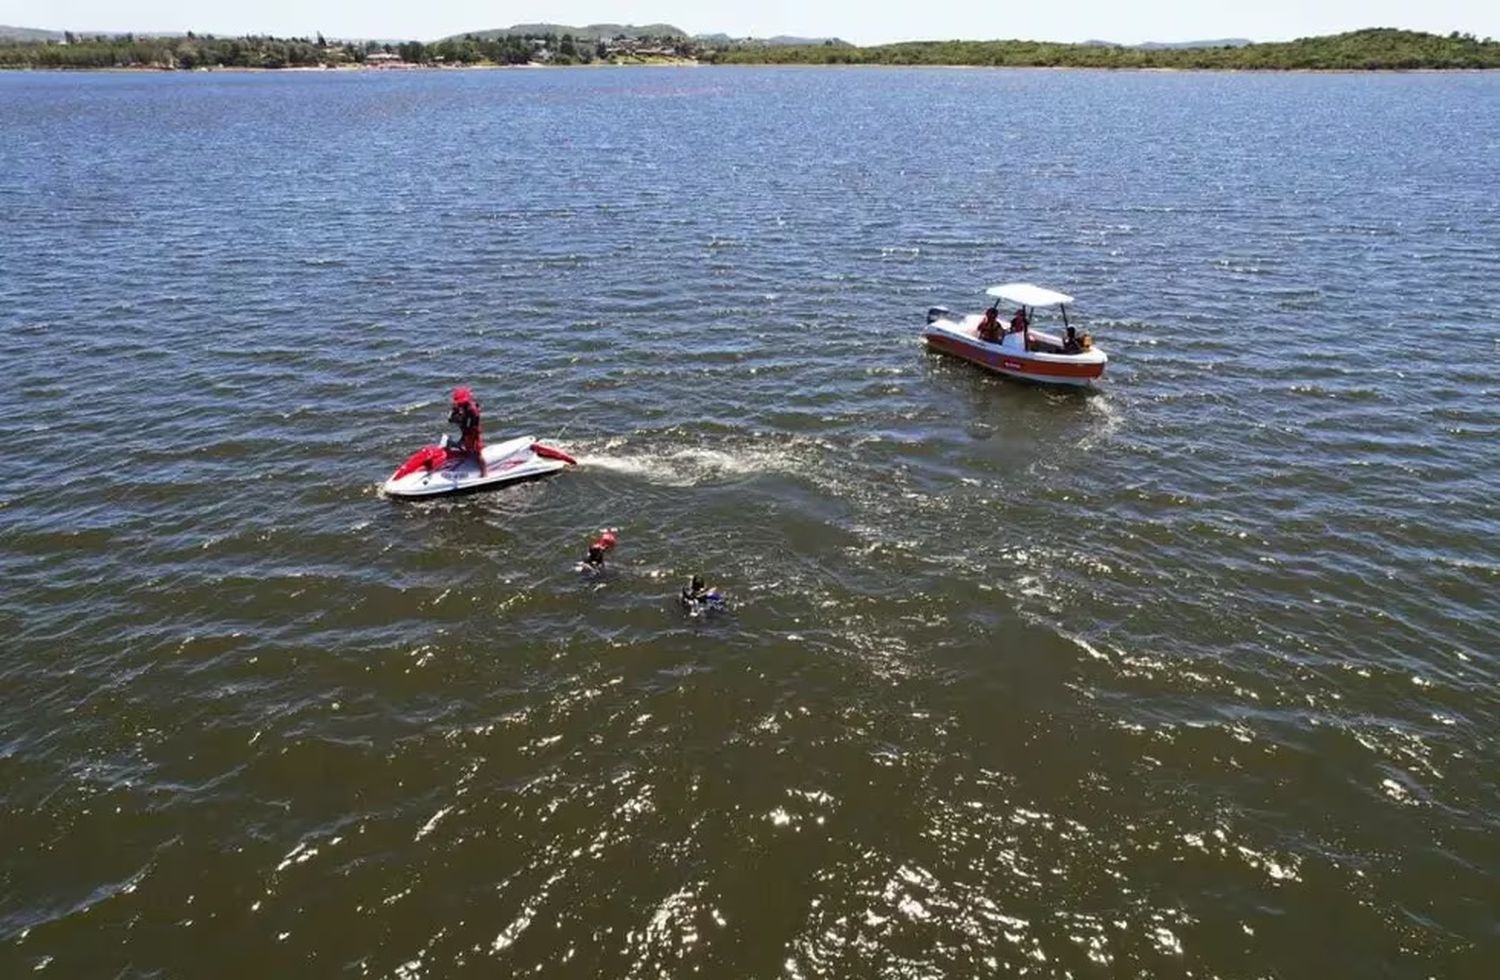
(465, 415)
(1021, 324)
(989, 327)
(1070, 342)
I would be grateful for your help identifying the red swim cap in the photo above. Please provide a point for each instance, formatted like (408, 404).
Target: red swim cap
(461, 395)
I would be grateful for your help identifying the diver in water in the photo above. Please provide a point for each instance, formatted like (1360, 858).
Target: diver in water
(593, 562)
(465, 415)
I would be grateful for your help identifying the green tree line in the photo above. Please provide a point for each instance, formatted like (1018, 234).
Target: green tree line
(1373, 48)
(505, 49)
(205, 51)
(188, 51)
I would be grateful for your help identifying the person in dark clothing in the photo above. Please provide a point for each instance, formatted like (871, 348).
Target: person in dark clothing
(694, 591)
(699, 599)
(1070, 342)
(465, 415)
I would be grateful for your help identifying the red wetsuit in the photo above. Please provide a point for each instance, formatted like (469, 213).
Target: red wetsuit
(465, 415)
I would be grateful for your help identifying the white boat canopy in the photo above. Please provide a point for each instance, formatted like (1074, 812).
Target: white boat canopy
(1025, 294)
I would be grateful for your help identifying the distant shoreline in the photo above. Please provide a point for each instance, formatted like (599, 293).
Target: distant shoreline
(344, 69)
(790, 66)
(1372, 49)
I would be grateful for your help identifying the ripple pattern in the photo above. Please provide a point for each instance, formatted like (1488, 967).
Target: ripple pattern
(1193, 676)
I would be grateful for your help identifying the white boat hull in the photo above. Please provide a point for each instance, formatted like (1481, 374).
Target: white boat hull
(505, 462)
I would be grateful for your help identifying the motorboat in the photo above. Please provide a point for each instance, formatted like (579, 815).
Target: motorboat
(445, 468)
(1019, 350)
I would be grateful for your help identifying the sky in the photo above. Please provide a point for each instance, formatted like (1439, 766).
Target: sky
(859, 21)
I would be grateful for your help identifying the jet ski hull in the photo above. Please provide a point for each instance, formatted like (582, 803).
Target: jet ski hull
(432, 473)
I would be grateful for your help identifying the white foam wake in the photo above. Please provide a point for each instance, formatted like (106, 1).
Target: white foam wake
(690, 467)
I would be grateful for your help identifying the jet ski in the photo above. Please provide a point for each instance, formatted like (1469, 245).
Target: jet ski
(445, 468)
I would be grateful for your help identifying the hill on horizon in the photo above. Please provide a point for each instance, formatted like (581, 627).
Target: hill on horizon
(589, 32)
(1223, 42)
(605, 32)
(8, 33)
(778, 40)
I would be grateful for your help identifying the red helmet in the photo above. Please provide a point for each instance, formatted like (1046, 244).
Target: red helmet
(462, 395)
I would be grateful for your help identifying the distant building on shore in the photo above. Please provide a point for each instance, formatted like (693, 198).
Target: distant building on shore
(623, 46)
(385, 59)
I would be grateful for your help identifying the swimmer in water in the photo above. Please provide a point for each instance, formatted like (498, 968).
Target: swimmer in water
(594, 560)
(694, 591)
(698, 598)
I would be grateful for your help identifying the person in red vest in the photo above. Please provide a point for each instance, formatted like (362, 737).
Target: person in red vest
(606, 541)
(465, 415)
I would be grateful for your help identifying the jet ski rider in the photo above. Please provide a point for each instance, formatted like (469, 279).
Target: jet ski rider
(465, 415)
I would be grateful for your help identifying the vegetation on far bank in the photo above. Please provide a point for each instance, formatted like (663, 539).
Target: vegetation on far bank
(187, 51)
(1374, 48)
(191, 50)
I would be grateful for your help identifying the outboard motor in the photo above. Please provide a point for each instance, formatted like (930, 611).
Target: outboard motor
(936, 313)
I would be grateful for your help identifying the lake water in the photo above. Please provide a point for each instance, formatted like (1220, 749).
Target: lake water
(1193, 676)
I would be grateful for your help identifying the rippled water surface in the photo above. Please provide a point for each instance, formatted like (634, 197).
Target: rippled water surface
(1196, 675)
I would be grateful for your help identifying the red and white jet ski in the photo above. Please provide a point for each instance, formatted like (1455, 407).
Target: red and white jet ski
(433, 471)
